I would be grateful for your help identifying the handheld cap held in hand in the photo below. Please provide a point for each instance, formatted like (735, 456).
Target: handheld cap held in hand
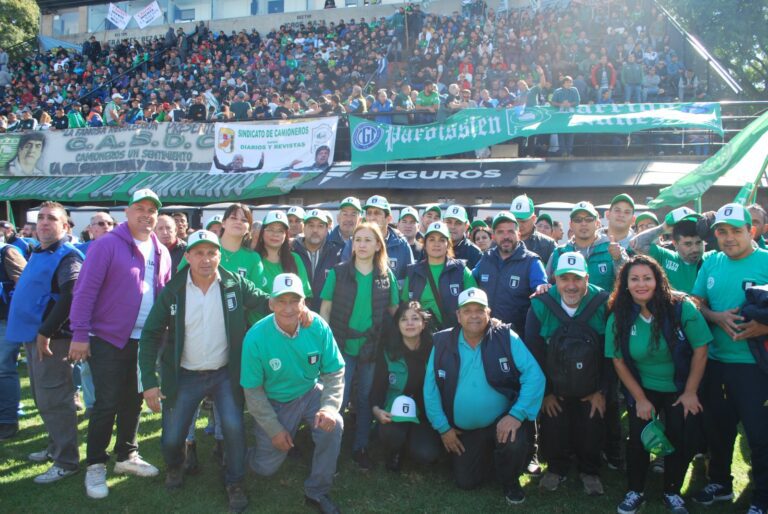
(404, 410)
(287, 283)
(654, 439)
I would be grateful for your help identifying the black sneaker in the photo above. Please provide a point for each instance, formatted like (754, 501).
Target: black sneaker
(713, 493)
(323, 504)
(631, 503)
(675, 504)
(362, 458)
(8, 430)
(191, 464)
(515, 495)
(238, 501)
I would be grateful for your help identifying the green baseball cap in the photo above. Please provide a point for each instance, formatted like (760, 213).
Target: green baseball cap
(297, 211)
(408, 211)
(434, 207)
(456, 212)
(477, 223)
(473, 295)
(145, 194)
(654, 439)
(316, 214)
(522, 207)
(681, 214)
(440, 228)
(276, 217)
(213, 221)
(584, 207)
(623, 197)
(733, 214)
(571, 262)
(545, 217)
(646, 216)
(351, 201)
(503, 216)
(379, 202)
(200, 237)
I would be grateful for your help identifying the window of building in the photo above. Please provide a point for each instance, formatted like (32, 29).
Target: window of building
(66, 22)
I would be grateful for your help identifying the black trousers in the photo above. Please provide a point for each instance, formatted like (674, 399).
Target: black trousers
(613, 439)
(115, 383)
(484, 458)
(733, 393)
(683, 433)
(419, 442)
(572, 430)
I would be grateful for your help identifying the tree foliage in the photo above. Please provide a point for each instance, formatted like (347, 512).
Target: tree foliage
(19, 21)
(735, 32)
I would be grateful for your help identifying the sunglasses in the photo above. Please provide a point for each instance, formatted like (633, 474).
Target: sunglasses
(586, 219)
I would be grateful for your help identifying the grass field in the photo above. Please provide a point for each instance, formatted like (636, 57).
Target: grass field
(413, 490)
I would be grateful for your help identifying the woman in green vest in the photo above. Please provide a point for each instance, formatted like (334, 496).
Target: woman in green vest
(400, 369)
(437, 280)
(658, 342)
(359, 297)
(274, 248)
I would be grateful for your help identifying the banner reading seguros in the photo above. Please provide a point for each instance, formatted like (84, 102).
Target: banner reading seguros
(292, 147)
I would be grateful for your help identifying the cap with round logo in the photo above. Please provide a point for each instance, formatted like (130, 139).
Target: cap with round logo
(275, 217)
(404, 410)
(434, 207)
(733, 214)
(316, 214)
(213, 221)
(200, 237)
(584, 207)
(145, 194)
(623, 197)
(473, 295)
(297, 211)
(522, 207)
(409, 211)
(379, 202)
(351, 201)
(545, 218)
(456, 212)
(681, 214)
(286, 283)
(571, 262)
(646, 216)
(438, 227)
(502, 217)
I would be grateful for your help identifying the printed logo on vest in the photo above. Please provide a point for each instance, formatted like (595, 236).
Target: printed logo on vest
(231, 301)
(484, 277)
(243, 272)
(746, 284)
(393, 262)
(504, 364)
(173, 309)
(514, 281)
(392, 379)
(455, 289)
(275, 364)
(313, 358)
(441, 373)
(634, 330)
(602, 268)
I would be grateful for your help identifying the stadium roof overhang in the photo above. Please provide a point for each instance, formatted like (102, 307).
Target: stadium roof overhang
(49, 6)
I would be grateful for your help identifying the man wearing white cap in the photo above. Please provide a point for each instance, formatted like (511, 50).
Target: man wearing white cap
(347, 219)
(565, 330)
(682, 263)
(295, 221)
(734, 387)
(214, 225)
(540, 244)
(293, 374)
(112, 111)
(202, 309)
(124, 273)
(317, 251)
(482, 391)
(408, 225)
(457, 221)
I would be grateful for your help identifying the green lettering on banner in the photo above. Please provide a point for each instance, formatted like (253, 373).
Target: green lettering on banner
(472, 129)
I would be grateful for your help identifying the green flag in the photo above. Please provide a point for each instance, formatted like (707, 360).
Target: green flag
(9, 210)
(745, 155)
(745, 194)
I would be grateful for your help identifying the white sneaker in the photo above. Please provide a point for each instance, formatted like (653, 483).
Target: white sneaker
(96, 481)
(135, 465)
(54, 474)
(41, 456)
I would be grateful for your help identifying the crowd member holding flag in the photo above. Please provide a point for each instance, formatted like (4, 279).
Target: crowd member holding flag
(735, 389)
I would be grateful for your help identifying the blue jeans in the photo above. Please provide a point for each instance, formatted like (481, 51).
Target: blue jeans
(632, 91)
(193, 387)
(364, 372)
(10, 387)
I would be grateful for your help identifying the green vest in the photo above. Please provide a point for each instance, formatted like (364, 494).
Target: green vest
(599, 264)
(397, 374)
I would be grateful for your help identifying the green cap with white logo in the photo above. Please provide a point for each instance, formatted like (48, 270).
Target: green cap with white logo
(646, 216)
(213, 221)
(503, 216)
(200, 237)
(440, 228)
(584, 207)
(351, 201)
(409, 211)
(379, 202)
(286, 283)
(522, 207)
(276, 217)
(571, 262)
(681, 214)
(145, 194)
(456, 212)
(733, 214)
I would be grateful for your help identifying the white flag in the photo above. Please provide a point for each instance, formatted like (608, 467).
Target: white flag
(118, 17)
(147, 15)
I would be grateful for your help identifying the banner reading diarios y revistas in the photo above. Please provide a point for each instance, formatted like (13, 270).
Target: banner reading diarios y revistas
(292, 146)
(472, 129)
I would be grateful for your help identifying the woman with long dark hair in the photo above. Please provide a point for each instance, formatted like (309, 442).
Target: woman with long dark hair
(273, 245)
(658, 342)
(359, 297)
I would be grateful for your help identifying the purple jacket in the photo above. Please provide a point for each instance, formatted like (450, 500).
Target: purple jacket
(107, 295)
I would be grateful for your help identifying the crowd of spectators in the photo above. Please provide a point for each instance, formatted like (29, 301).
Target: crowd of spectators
(612, 51)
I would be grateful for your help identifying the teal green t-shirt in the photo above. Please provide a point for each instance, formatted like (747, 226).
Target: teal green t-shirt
(427, 299)
(273, 269)
(362, 312)
(288, 367)
(681, 275)
(721, 282)
(657, 371)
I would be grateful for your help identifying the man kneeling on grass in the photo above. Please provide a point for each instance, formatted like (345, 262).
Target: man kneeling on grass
(482, 392)
(293, 374)
(203, 310)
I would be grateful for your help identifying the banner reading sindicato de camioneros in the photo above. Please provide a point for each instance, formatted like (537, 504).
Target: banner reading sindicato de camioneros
(291, 146)
(472, 129)
(159, 148)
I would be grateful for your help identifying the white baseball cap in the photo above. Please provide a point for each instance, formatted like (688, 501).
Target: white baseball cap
(287, 283)
(681, 214)
(456, 212)
(571, 262)
(351, 201)
(297, 211)
(200, 237)
(409, 211)
(733, 214)
(379, 202)
(145, 194)
(404, 410)
(522, 207)
(213, 221)
(473, 295)
(276, 217)
(440, 228)
(316, 214)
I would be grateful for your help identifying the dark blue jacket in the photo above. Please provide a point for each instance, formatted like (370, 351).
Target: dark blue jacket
(509, 283)
(467, 251)
(449, 285)
(330, 255)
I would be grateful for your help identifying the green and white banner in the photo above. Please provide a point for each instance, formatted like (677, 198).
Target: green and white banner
(181, 187)
(472, 129)
(745, 156)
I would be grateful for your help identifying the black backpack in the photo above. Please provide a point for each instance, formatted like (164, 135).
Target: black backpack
(575, 351)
